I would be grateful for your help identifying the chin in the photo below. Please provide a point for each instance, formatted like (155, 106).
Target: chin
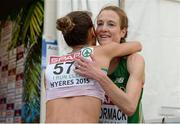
(104, 41)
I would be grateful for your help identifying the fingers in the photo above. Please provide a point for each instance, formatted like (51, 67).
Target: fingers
(80, 63)
(79, 72)
(80, 68)
(82, 59)
(92, 57)
(83, 64)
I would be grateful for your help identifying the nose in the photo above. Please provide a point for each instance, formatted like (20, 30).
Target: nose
(102, 28)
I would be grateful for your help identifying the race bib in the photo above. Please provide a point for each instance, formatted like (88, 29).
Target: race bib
(110, 113)
(61, 73)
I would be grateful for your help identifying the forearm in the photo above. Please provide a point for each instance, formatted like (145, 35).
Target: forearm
(121, 99)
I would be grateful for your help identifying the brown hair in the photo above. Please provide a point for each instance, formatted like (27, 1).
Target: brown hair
(123, 19)
(75, 27)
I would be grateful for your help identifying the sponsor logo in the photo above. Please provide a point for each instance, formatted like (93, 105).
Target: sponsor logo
(65, 58)
(86, 52)
(119, 80)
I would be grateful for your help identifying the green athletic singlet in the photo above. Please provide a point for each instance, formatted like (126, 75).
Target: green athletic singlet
(109, 111)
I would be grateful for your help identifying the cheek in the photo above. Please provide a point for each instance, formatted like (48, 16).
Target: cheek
(116, 37)
(97, 31)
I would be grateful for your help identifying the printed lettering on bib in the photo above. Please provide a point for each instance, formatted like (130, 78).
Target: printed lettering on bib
(110, 113)
(61, 72)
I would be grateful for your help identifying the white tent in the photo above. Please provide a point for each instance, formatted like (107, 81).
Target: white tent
(156, 23)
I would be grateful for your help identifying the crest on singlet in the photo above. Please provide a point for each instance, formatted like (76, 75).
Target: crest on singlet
(60, 70)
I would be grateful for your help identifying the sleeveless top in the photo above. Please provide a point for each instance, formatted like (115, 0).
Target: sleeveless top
(62, 81)
(110, 113)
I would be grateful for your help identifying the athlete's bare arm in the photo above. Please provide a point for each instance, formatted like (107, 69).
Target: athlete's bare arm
(126, 101)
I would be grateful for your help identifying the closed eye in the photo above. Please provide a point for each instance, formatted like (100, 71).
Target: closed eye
(99, 24)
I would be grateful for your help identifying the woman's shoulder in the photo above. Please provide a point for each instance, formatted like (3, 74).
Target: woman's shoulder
(136, 57)
(135, 62)
(136, 65)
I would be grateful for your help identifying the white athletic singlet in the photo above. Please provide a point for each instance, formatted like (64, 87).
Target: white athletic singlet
(62, 81)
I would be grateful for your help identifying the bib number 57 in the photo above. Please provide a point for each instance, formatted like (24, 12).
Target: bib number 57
(58, 68)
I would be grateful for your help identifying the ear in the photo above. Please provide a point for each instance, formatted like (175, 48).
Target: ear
(92, 36)
(93, 32)
(123, 32)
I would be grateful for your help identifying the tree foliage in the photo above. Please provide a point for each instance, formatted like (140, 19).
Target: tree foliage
(27, 30)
